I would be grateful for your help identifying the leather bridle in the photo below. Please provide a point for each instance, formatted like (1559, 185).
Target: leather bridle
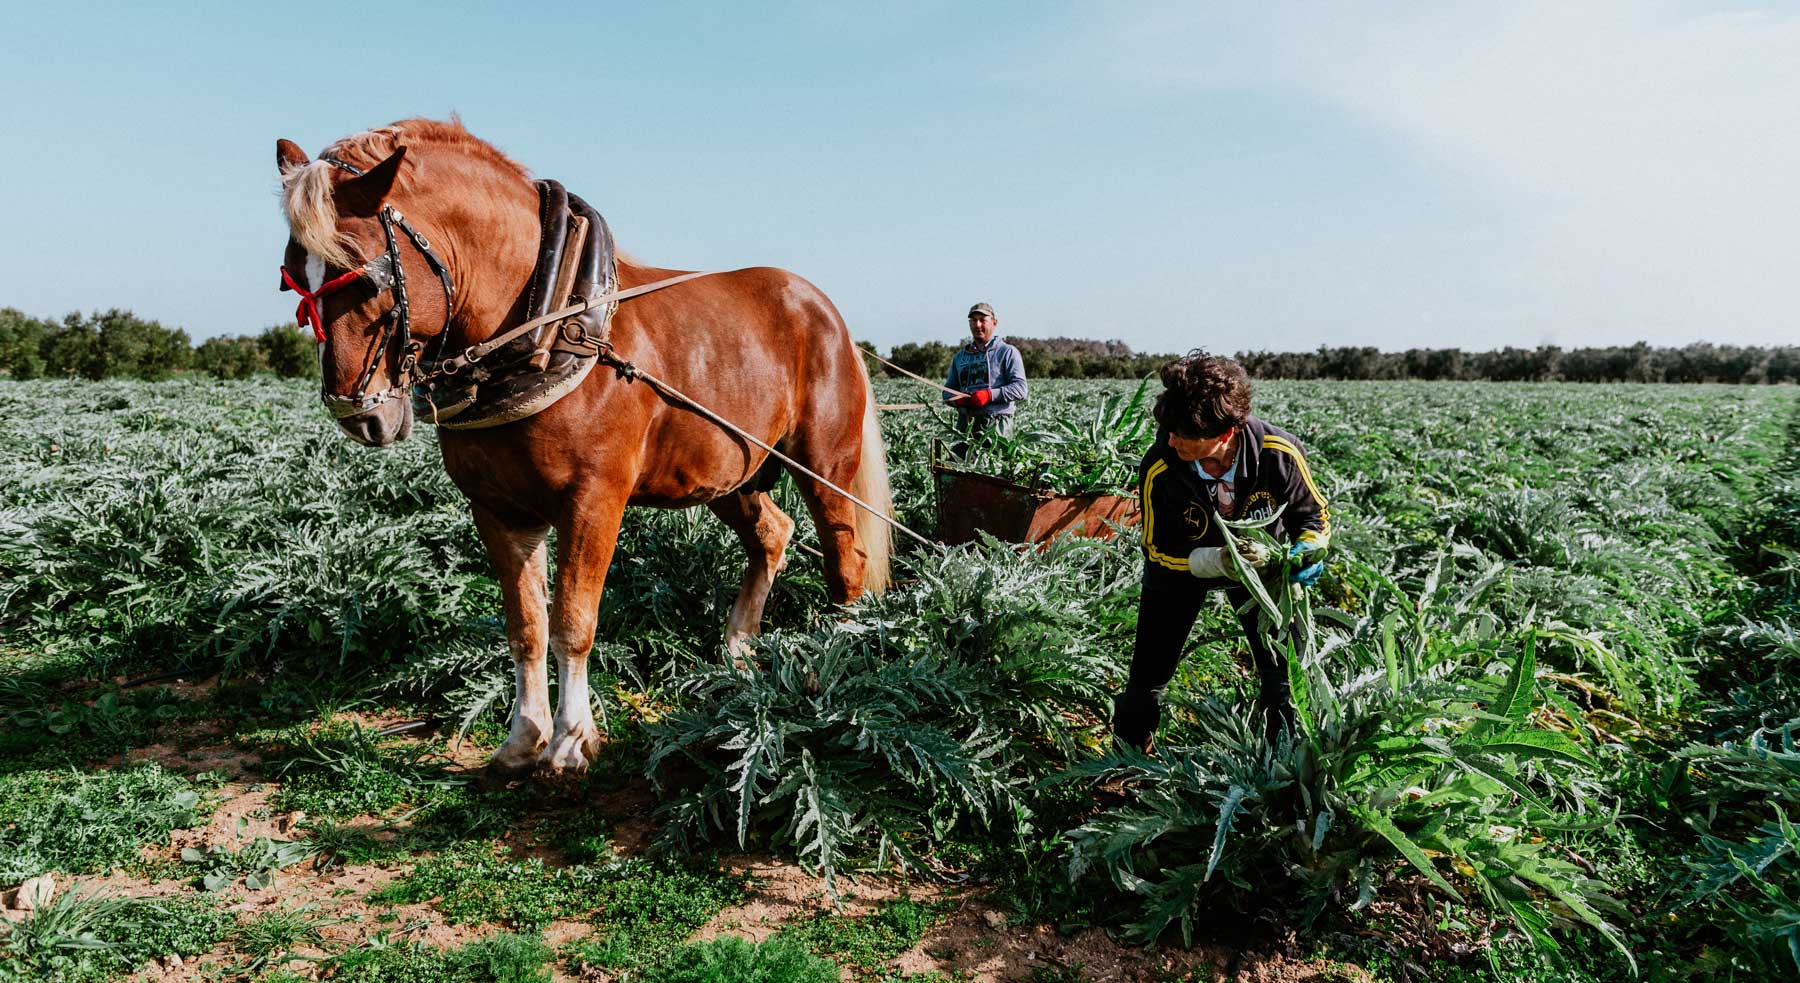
(384, 273)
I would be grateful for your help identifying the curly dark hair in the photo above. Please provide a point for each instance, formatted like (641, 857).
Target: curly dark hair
(1203, 395)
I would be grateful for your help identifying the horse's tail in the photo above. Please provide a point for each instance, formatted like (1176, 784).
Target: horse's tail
(871, 485)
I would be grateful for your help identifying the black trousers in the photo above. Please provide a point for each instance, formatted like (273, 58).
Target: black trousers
(1167, 608)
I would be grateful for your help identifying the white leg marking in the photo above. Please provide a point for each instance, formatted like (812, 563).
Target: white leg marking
(530, 729)
(575, 739)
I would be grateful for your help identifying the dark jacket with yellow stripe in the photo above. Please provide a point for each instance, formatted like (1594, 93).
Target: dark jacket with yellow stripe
(1271, 471)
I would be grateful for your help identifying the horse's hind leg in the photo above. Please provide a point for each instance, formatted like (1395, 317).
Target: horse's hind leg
(517, 555)
(835, 517)
(764, 530)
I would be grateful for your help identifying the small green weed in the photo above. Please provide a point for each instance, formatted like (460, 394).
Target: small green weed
(185, 926)
(342, 771)
(335, 842)
(645, 906)
(256, 862)
(473, 883)
(455, 813)
(269, 938)
(867, 943)
(79, 822)
(495, 959)
(730, 959)
(88, 937)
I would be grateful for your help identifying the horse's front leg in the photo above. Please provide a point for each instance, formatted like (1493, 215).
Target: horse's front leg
(584, 550)
(517, 554)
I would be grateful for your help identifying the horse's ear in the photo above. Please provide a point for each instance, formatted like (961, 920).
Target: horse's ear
(289, 156)
(363, 194)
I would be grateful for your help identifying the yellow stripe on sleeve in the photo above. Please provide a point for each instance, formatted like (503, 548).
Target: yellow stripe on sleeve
(1273, 442)
(1150, 550)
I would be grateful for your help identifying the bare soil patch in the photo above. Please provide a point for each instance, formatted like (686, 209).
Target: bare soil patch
(974, 939)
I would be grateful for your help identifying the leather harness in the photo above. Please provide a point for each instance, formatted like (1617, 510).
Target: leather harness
(516, 373)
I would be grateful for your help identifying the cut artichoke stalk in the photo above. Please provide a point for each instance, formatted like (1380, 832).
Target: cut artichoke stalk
(1255, 553)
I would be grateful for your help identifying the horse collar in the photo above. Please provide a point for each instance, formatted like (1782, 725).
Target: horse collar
(487, 385)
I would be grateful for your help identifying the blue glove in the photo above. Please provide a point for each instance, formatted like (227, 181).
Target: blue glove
(1307, 575)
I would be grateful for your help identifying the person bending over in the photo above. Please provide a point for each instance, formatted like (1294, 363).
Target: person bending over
(1212, 459)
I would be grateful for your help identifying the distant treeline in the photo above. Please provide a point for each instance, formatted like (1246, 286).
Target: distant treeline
(1079, 358)
(119, 344)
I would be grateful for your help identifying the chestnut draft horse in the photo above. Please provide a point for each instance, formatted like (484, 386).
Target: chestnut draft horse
(762, 347)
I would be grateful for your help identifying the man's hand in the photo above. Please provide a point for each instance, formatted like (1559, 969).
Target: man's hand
(982, 397)
(1308, 574)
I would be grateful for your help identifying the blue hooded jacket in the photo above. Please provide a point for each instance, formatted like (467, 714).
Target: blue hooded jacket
(995, 366)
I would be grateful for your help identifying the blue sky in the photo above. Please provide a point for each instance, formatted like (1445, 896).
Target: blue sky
(1237, 177)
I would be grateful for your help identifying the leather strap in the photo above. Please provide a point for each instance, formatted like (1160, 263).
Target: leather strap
(553, 218)
(475, 353)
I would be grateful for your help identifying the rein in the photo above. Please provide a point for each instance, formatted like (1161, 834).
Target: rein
(630, 372)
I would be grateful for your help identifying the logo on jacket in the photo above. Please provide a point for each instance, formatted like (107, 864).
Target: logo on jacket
(1260, 506)
(1195, 516)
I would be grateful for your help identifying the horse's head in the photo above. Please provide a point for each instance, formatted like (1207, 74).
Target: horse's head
(351, 255)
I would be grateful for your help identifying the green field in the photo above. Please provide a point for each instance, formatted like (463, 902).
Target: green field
(1549, 724)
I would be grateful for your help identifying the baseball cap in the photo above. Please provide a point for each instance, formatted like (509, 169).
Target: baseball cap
(987, 309)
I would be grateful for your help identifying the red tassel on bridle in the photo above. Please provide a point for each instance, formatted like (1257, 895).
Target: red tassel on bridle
(307, 313)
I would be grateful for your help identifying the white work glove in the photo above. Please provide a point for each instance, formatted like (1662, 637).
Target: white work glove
(1210, 562)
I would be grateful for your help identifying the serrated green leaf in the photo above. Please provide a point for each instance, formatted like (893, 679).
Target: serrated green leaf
(1380, 824)
(1538, 744)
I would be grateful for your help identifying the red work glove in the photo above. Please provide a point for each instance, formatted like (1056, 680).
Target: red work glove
(982, 396)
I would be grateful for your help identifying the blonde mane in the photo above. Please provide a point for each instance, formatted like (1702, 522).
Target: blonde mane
(306, 199)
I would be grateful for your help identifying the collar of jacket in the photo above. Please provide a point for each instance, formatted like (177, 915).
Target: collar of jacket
(982, 349)
(1248, 448)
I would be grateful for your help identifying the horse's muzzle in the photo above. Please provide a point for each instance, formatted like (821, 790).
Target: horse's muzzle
(389, 423)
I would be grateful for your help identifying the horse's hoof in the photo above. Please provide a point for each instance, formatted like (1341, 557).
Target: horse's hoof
(569, 753)
(567, 780)
(554, 782)
(499, 774)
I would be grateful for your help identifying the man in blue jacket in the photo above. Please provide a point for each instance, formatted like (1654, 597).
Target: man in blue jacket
(989, 374)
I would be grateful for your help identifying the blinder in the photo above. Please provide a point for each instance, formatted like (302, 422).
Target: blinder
(383, 273)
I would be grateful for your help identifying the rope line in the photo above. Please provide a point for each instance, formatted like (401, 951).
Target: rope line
(915, 375)
(630, 371)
